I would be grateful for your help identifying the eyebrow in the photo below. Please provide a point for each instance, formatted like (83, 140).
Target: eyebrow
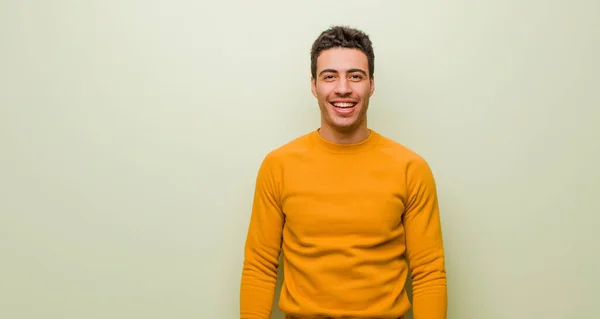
(349, 71)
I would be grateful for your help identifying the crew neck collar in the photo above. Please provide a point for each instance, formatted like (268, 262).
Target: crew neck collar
(329, 146)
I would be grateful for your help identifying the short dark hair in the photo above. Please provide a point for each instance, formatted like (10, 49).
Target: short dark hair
(342, 37)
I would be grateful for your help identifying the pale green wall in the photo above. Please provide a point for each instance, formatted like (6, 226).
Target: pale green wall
(131, 133)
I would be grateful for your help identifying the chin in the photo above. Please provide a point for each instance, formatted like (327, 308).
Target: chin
(344, 125)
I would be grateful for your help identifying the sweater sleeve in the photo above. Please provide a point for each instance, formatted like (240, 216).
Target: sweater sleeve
(424, 243)
(263, 244)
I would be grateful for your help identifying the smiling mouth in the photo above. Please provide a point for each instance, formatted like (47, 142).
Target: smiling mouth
(344, 105)
(344, 109)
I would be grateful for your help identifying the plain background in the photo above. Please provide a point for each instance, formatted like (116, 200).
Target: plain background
(131, 133)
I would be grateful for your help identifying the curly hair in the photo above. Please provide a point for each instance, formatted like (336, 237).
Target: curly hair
(342, 37)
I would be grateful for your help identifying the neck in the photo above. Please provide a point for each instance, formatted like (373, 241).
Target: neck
(354, 136)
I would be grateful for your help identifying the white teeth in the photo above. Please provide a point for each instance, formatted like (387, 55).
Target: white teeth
(344, 104)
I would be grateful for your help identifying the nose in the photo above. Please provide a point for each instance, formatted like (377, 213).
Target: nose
(343, 87)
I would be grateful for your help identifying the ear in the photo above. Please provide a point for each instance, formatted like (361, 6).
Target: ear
(372, 86)
(313, 86)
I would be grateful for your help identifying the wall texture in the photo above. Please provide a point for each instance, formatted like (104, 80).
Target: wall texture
(131, 133)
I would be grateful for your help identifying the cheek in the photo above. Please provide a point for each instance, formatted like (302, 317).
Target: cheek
(365, 92)
(323, 93)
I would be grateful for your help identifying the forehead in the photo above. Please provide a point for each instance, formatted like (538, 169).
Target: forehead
(342, 59)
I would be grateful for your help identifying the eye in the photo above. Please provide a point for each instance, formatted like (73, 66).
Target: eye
(356, 77)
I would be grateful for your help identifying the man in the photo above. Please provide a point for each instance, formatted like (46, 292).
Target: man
(347, 207)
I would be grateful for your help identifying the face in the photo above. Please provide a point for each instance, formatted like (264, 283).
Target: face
(343, 87)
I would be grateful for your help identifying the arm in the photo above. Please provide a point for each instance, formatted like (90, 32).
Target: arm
(424, 243)
(263, 244)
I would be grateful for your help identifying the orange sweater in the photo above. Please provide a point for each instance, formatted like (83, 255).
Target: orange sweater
(346, 219)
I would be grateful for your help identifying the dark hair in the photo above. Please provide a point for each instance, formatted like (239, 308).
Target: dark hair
(342, 37)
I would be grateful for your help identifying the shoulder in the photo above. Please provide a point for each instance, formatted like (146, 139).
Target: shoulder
(298, 145)
(293, 148)
(399, 151)
(412, 164)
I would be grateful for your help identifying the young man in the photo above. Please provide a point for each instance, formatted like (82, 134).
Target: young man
(347, 207)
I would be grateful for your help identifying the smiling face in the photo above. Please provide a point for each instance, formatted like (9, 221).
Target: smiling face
(343, 87)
